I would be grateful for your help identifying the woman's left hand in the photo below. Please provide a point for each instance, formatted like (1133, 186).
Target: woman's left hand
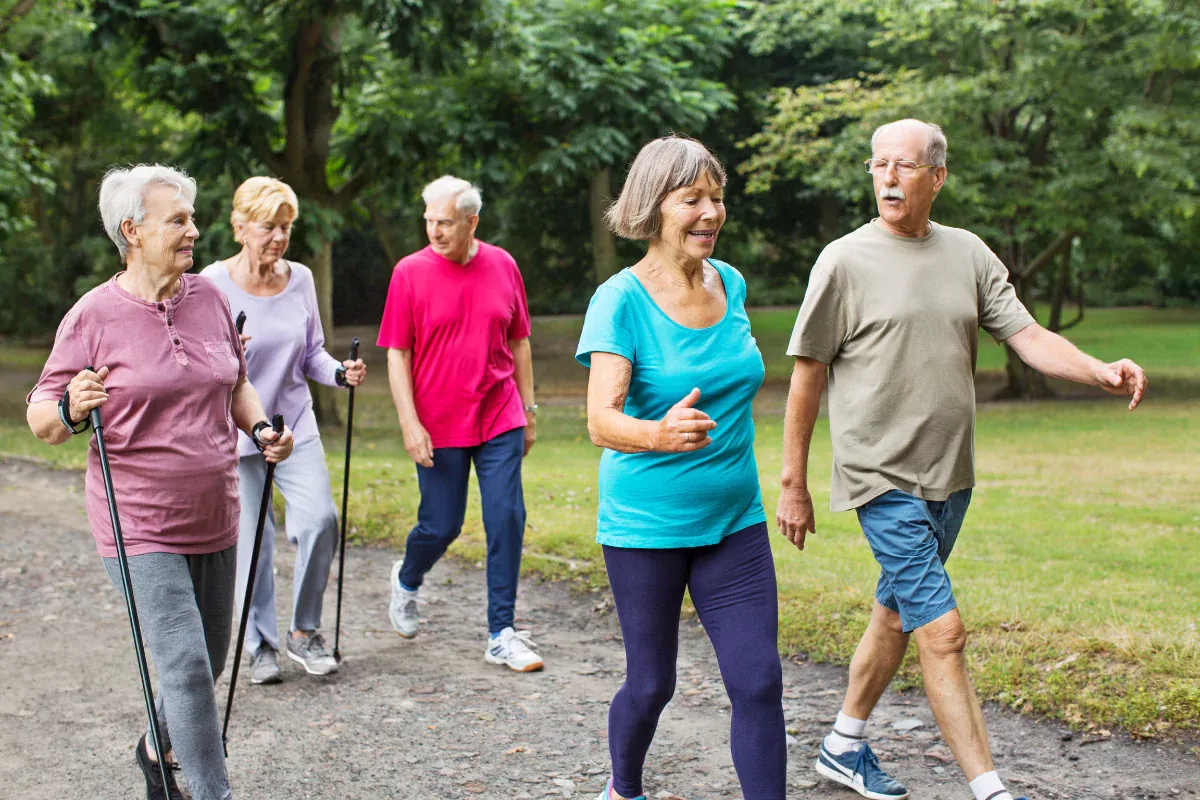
(277, 447)
(356, 372)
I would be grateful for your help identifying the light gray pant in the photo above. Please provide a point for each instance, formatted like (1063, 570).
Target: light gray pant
(312, 526)
(185, 607)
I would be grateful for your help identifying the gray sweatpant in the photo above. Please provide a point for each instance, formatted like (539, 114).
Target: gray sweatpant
(312, 525)
(185, 607)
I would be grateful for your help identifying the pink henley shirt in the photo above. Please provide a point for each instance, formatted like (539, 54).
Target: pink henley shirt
(168, 422)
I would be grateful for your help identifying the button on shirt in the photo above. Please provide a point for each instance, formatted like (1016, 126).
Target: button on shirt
(168, 422)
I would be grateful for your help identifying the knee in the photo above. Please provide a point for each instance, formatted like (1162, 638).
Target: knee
(188, 671)
(760, 686)
(890, 621)
(944, 639)
(651, 696)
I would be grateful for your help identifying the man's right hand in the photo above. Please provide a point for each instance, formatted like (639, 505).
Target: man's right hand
(795, 516)
(417, 443)
(87, 392)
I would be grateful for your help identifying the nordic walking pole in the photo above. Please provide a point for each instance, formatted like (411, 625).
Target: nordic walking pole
(337, 628)
(240, 322)
(277, 426)
(127, 587)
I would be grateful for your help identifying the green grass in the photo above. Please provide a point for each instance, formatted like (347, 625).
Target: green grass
(1078, 570)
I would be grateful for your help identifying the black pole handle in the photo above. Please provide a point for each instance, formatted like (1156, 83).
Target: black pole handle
(354, 349)
(94, 414)
(240, 322)
(277, 423)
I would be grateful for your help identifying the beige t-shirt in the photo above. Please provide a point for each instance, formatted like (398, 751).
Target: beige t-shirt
(897, 320)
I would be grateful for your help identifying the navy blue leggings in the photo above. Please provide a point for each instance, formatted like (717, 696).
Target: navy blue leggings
(732, 585)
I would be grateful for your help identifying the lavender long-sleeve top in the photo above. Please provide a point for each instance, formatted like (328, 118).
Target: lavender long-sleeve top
(288, 345)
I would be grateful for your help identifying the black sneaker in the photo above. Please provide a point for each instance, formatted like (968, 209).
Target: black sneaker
(154, 784)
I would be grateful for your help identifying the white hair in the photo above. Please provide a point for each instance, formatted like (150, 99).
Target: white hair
(934, 152)
(123, 196)
(469, 198)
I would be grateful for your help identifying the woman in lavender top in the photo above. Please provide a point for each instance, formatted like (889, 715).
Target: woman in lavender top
(284, 346)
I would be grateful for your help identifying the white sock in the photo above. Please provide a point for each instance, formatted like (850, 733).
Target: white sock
(847, 735)
(989, 787)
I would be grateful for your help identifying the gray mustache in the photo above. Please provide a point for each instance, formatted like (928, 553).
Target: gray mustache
(892, 193)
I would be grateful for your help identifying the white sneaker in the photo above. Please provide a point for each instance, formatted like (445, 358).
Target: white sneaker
(403, 611)
(512, 650)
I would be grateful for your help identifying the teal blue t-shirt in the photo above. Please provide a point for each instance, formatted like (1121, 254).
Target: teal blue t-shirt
(662, 500)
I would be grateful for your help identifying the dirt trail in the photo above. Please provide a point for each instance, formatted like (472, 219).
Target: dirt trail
(428, 719)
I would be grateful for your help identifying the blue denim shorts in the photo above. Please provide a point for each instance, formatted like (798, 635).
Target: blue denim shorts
(911, 539)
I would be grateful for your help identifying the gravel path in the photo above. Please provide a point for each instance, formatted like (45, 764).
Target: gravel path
(428, 719)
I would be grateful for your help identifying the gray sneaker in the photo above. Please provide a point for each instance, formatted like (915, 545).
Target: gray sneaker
(263, 666)
(406, 620)
(309, 651)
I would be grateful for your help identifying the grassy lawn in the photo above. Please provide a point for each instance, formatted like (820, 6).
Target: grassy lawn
(1078, 570)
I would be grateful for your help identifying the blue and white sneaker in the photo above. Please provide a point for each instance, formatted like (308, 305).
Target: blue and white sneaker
(607, 793)
(860, 771)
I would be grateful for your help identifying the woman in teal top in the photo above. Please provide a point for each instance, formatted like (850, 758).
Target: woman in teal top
(674, 372)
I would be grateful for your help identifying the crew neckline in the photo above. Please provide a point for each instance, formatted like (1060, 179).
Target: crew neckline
(918, 242)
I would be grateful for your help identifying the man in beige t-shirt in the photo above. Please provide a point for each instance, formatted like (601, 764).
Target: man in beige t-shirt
(890, 322)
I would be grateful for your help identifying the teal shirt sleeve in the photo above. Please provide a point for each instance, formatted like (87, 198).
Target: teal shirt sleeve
(608, 325)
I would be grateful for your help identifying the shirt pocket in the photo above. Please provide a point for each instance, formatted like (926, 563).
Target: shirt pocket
(224, 363)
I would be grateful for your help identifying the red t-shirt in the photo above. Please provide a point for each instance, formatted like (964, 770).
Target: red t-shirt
(168, 422)
(458, 320)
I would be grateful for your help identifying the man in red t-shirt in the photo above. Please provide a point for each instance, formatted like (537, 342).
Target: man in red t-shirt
(456, 325)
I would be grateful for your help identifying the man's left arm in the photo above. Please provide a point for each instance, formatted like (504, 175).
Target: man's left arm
(523, 374)
(1052, 355)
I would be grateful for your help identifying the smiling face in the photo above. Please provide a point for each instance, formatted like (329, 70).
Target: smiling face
(691, 218)
(904, 201)
(267, 240)
(450, 231)
(166, 237)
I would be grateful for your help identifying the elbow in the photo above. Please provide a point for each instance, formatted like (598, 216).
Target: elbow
(594, 432)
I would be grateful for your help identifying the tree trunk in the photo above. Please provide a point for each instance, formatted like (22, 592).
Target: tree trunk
(324, 404)
(1059, 293)
(604, 244)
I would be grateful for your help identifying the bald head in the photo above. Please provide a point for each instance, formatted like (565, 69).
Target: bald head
(924, 139)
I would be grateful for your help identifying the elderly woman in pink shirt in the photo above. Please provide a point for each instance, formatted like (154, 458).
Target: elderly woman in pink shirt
(170, 376)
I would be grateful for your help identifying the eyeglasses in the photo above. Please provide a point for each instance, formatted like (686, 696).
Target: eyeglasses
(904, 167)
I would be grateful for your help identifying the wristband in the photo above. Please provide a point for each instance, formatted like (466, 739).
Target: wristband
(258, 426)
(531, 411)
(339, 376)
(64, 413)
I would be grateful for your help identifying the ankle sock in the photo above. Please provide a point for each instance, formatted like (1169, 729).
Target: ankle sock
(405, 588)
(847, 735)
(989, 787)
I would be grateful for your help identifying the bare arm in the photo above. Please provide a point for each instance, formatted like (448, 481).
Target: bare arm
(683, 429)
(523, 374)
(86, 391)
(1052, 355)
(416, 438)
(248, 411)
(795, 516)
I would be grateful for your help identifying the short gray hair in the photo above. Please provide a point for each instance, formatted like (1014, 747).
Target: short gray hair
(469, 198)
(123, 196)
(934, 152)
(661, 167)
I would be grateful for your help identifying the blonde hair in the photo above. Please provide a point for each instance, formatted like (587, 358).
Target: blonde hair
(259, 199)
(661, 167)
